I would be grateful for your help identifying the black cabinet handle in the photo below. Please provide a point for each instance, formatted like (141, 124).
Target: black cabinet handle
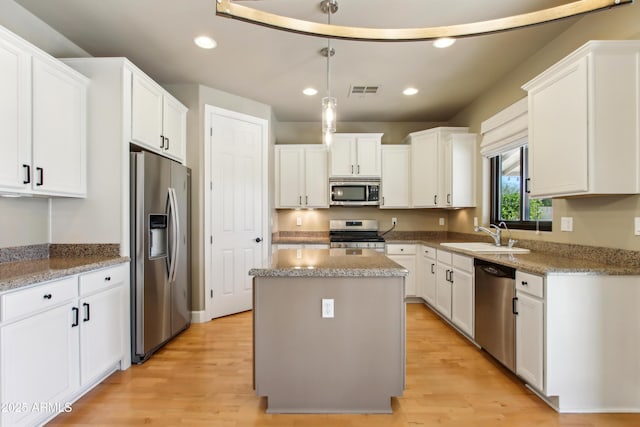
(526, 185)
(448, 199)
(107, 279)
(432, 269)
(451, 276)
(47, 296)
(258, 240)
(40, 176)
(300, 200)
(306, 200)
(351, 169)
(513, 305)
(358, 170)
(162, 141)
(167, 147)
(87, 312)
(27, 180)
(525, 283)
(76, 317)
(435, 199)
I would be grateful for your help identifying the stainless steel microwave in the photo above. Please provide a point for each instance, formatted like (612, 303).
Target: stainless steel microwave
(355, 193)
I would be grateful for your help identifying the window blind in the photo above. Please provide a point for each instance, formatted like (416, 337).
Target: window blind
(506, 130)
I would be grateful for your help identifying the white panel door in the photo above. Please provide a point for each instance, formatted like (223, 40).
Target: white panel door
(408, 262)
(462, 301)
(530, 340)
(343, 156)
(174, 128)
(15, 138)
(237, 146)
(146, 113)
(395, 177)
(429, 282)
(443, 290)
(425, 165)
(59, 130)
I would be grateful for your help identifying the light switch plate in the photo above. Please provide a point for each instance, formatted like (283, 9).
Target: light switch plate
(441, 221)
(299, 220)
(637, 226)
(566, 223)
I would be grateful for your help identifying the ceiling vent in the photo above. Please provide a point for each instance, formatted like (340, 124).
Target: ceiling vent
(363, 90)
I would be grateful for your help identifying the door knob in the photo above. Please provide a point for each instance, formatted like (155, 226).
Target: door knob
(258, 240)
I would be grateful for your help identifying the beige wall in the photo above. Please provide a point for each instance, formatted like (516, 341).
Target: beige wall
(310, 133)
(408, 219)
(195, 97)
(599, 221)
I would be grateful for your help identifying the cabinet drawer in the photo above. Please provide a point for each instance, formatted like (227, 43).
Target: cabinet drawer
(444, 257)
(428, 252)
(38, 298)
(530, 284)
(463, 262)
(401, 249)
(102, 279)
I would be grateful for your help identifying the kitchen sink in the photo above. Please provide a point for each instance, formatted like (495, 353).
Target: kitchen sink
(485, 248)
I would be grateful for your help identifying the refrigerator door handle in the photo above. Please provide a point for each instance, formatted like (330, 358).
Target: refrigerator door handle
(173, 202)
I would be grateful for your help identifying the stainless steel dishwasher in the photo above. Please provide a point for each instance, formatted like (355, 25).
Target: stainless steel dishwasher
(495, 319)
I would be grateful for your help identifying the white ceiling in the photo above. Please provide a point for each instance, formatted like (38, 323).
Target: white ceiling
(273, 67)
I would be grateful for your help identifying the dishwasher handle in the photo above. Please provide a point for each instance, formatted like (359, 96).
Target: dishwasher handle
(495, 270)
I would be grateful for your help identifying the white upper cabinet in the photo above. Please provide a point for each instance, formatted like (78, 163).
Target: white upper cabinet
(158, 121)
(442, 167)
(43, 122)
(395, 176)
(356, 155)
(584, 116)
(301, 176)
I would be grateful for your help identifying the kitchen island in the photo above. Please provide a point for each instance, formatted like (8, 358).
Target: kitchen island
(329, 331)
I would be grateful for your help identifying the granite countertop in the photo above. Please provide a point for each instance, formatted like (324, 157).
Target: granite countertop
(330, 263)
(300, 240)
(539, 262)
(14, 275)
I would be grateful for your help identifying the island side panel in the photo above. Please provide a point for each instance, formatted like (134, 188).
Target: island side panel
(354, 362)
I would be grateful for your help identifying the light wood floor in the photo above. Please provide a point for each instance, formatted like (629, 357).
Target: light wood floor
(203, 378)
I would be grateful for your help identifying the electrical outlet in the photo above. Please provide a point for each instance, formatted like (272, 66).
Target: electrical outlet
(327, 308)
(299, 221)
(394, 221)
(566, 223)
(441, 221)
(475, 221)
(637, 226)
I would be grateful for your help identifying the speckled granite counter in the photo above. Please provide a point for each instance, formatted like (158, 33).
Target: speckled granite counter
(26, 265)
(301, 238)
(551, 260)
(330, 263)
(15, 275)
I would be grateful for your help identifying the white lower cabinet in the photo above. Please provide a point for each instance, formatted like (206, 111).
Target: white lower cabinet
(405, 255)
(426, 277)
(530, 329)
(454, 297)
(55, 343)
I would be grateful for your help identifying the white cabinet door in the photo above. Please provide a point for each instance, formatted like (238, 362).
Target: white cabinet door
(530, 340)
(59, 130)
(458, 171)
(368, 164)
(315, 178)
(395, 176)
(38, 364)
(15, 118)
(174, 128)
(290, 178)
(462, 301)
(443, 290)
(146, 113)
(343, 156)
(558, 131)
(425, 164)
(100, 333)
(408, 262)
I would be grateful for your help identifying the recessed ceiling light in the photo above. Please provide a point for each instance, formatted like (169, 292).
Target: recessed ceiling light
(410, 91)
(205, 42)
(310, 91)
(444, 42)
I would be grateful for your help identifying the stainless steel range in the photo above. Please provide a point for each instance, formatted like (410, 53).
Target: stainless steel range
(355, 233)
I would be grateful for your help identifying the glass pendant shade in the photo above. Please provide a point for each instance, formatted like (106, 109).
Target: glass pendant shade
(327, 138)
(328, 114)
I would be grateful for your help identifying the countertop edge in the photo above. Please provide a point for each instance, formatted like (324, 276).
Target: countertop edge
(329, 272)
(18, 282)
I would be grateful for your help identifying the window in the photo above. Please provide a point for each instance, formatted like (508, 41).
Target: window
(509, 199)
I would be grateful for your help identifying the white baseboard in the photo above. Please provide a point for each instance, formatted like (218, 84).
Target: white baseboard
(199, 316)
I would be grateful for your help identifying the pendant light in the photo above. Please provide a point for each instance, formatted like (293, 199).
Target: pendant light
(329, 103)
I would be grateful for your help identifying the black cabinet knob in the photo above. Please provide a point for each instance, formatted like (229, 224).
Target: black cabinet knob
(258, 240)
(47, 296)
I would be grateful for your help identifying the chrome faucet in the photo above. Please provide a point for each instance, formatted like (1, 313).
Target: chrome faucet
(496, 236)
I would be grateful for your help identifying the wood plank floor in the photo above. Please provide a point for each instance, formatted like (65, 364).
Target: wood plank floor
(203, 378)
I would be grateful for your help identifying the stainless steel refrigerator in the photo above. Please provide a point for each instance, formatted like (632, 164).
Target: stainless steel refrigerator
(160, 273)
